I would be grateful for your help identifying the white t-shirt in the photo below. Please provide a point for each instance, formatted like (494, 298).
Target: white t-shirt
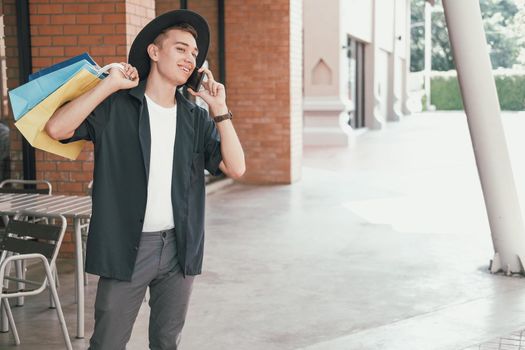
(159, 209)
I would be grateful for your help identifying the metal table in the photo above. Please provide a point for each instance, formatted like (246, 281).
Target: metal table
(77, 208)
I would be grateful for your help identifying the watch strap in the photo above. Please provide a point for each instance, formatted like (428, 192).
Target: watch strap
(220, 118)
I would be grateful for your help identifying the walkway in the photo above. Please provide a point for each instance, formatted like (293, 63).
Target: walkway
(384, 245)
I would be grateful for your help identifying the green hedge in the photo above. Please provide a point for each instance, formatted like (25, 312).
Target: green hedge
(445, 93)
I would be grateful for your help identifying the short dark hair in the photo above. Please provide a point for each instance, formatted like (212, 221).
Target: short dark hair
(185, 27)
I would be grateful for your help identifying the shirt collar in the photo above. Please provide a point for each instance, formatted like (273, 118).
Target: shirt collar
(139, 91)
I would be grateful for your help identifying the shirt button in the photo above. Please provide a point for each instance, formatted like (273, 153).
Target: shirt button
(136, 248)
(141, 221)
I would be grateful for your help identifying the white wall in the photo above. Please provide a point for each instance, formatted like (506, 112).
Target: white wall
(401, 28)
(321, 42)
(357, 19)
(385, 12)
(382, 81)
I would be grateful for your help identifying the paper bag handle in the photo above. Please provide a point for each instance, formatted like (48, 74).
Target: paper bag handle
(107, 67)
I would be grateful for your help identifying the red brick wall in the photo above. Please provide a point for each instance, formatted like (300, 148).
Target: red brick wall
(263, 75)
(162, 6)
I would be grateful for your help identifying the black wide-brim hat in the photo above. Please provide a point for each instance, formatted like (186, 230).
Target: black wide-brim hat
(138, 55)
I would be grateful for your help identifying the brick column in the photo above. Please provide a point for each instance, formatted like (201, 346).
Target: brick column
(138, 14)
(264, 85)
(12, 80)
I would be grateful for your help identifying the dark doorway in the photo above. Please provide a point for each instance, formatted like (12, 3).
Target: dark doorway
(356, 81)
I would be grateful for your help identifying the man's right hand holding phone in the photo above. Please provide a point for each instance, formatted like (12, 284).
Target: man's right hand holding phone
(214, 93)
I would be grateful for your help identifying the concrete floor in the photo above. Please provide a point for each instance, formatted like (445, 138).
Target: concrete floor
(384, 245)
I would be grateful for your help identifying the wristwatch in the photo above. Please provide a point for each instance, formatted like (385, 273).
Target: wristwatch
(220, 118)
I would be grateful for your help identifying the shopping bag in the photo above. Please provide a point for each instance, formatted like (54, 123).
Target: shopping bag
(32, 124)
(27, 96)
(85, 56)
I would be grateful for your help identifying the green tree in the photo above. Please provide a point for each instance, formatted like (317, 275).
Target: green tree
(441, 51)
(518, 28)
(417, 34)
(500, 29)
(498, 17)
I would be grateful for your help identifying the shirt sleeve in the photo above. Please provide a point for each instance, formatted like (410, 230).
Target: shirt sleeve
(212, 148)
(93, 125)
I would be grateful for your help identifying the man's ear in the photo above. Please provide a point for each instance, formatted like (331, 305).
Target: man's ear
(153, 52)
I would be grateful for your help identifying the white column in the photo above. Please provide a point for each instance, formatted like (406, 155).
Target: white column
(478, 89)
(428, 51)
(373, 103)
(406, 64)
(325, 104)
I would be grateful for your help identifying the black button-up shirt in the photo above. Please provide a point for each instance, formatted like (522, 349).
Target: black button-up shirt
(119, 129)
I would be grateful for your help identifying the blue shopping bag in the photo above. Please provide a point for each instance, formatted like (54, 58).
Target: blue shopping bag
(55, 67)
(27, 96)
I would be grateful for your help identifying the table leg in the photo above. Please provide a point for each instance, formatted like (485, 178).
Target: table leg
(4, 323)
(79, 274)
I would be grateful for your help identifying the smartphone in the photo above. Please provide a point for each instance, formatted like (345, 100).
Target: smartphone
(195, 80)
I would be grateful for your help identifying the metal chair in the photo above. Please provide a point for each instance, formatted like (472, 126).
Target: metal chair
(43, 247)
(13, 186)
(21, 186)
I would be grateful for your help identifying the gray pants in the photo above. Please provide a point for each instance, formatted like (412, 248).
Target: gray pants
(118, 302)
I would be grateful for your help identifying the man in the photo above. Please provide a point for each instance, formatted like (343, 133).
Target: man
(151, 147)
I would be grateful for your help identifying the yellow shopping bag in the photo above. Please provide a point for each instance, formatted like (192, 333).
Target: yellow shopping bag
(32, 124)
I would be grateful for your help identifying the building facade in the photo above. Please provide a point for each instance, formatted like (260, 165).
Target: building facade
(356, 64)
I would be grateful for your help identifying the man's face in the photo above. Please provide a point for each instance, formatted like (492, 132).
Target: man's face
(176, 56)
